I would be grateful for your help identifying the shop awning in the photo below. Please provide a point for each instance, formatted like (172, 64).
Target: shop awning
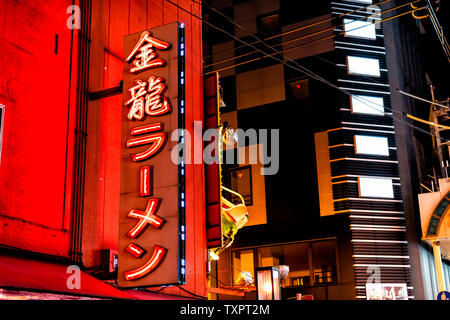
(23, 274)
(34, 275)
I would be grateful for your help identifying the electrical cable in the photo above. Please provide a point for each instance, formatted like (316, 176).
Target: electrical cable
(191, 293)
(358, 98)
(310, 35)
(297, 29)
(310, 42)
(233, 22)
(223, 283)
(155, 291)
(303, 69)
(422, 99)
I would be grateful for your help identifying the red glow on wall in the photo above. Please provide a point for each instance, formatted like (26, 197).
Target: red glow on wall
(151, 264)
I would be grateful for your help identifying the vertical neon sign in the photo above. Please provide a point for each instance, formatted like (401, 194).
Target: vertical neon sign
(152, 202)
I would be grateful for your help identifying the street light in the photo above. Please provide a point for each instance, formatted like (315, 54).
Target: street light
(268, 283)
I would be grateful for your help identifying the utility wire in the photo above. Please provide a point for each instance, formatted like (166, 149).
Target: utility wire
(191, 293)
(259, 40)
(422, 99)
(242, 28)
(297, 29)
(305, 70)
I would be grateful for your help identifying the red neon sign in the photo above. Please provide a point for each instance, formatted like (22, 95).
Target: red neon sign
(148, 98)
(149, 190)
(145, 186)
(151, 264)
(143, 55)
(135, 250)
(145, 218)
(156, 141)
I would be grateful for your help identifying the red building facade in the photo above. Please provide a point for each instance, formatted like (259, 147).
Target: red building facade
(60, 161)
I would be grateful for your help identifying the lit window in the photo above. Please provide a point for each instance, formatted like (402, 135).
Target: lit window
(364, 66)
(359, 29)
(376, 187)
(371, 145)
(367, 105)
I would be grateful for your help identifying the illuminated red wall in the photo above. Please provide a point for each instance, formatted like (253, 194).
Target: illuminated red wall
(37, 141)
(38, 145)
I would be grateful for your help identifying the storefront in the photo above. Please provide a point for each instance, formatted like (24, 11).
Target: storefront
(61, 96)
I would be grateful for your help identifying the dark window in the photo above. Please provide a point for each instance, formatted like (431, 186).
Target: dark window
(299, 89)
(324, 261)
(241, 182)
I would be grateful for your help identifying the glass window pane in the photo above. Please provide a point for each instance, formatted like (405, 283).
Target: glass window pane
(324, 261)
(375, 187)
(242, 262)
(367, 105)
(371, 145)
(359, 29)
(364, 66)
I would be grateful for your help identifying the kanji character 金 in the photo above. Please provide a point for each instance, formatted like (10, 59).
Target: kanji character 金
(144, 54)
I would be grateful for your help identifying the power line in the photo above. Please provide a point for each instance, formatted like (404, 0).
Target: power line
(329, 83)
(307, 36)
(297, 29)
(298, 39)
(305, 70)
(189, 292)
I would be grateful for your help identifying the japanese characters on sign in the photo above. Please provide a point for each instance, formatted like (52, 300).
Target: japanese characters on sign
(152, 200)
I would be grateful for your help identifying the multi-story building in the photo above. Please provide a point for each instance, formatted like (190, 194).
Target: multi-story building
(342, 210)
(332, 193)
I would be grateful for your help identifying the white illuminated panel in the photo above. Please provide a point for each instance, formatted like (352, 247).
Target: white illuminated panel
(371, 145)
(359, 29)
(375, 187)
(367, 105)
(364, 66)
